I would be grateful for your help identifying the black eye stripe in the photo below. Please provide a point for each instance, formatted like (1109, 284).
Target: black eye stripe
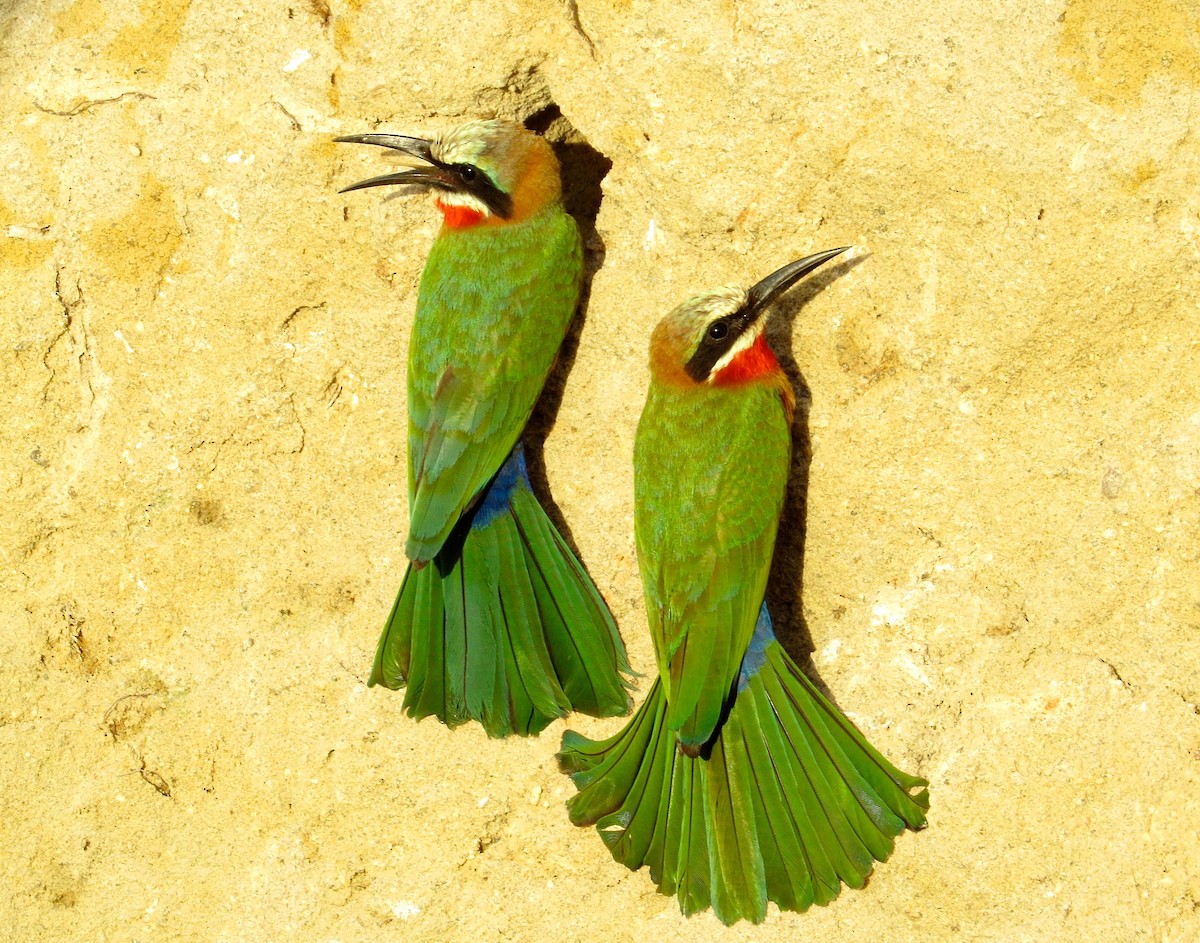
(474, 181)
(718, 338)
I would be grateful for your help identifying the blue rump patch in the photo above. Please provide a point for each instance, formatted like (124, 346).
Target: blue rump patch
(499, 491)
(756, 651)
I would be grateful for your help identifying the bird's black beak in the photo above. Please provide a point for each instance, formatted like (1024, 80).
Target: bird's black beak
(775, 284)
(414, 147)
(419, 148)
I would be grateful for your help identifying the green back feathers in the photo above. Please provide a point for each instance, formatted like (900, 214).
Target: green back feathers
(711, 468)
(494, 306)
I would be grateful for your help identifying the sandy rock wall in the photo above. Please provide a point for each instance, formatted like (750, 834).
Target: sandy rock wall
(994, 520)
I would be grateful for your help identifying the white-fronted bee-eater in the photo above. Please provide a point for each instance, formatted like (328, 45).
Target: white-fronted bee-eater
(736, 781)
(496, 619)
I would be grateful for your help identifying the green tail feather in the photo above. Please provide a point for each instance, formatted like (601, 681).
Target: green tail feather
(789, 802)
(504, 626)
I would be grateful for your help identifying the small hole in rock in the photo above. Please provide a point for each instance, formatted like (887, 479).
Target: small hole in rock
(583, 171)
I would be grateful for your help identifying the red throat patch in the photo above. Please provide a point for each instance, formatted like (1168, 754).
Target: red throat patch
(459, 217)
(753, 363)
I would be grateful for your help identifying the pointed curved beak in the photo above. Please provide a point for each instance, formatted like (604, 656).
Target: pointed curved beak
(419, 148)
(780, 281)
(413, 178)
(415, 147)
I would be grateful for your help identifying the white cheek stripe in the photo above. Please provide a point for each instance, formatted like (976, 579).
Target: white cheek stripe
(742, 343)
(455, 198)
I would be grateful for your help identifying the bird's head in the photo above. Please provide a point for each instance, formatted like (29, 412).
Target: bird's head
(717, 337)
(483, 172)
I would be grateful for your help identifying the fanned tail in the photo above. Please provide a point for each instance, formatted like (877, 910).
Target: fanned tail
(788, 801)
(504, 626)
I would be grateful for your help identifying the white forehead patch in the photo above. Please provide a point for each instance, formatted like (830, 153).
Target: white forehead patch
(713, 304)
(464, 144)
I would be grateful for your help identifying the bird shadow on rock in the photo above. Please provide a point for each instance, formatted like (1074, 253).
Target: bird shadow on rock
(583, 170)
(786, 584)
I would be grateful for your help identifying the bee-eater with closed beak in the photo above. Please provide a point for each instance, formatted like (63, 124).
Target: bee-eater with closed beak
(736, 781)
(496, 619)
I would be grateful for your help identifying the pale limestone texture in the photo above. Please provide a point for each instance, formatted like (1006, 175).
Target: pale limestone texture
(203, 361)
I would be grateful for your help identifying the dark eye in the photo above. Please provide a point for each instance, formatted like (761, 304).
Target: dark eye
(466, 172)
(718, 330)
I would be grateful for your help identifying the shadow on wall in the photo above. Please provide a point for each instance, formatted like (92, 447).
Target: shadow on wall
(786, 585)
(583, 171)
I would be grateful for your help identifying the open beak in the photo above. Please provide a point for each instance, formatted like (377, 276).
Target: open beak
(418, 148)
(778, 282)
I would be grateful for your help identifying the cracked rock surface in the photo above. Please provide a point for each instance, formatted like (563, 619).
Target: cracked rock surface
(991, 544)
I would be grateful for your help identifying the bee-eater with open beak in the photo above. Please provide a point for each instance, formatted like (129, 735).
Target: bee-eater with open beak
(736, 781)
(496, 620)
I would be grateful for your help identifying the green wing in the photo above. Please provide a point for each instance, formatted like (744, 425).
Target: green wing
(494, 305)
(711, 470)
